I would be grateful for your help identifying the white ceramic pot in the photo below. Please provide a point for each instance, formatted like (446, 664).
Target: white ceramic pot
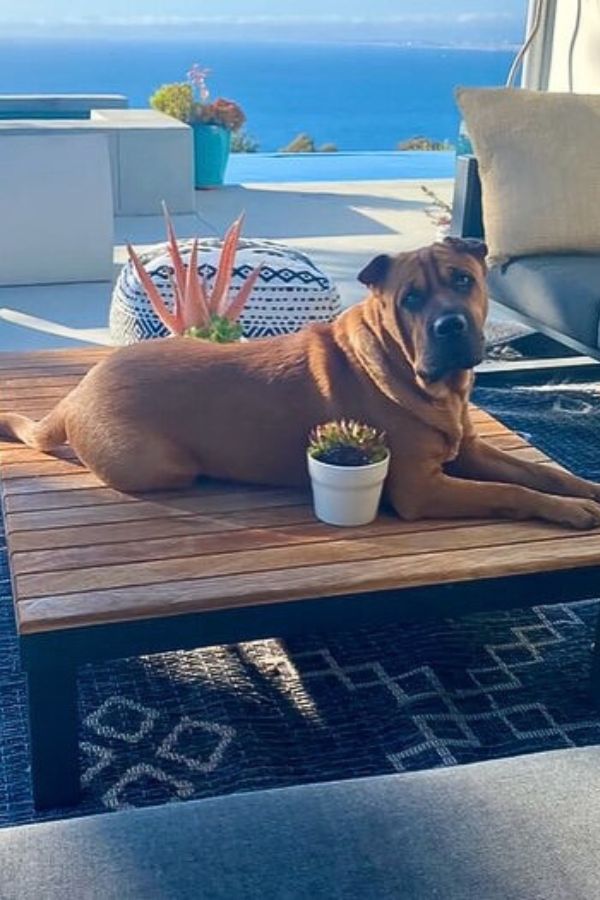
(347, 495)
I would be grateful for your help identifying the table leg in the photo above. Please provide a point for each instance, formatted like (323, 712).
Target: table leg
(53, 736)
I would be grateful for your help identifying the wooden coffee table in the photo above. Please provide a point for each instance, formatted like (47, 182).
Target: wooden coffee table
(98, 574)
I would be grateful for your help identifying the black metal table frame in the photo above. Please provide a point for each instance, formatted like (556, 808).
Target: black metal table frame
(51, 658)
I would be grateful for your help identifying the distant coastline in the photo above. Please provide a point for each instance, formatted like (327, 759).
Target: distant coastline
(434, 45)
(131, 32)
(31, 31)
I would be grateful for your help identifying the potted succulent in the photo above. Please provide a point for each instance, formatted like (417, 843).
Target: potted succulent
(197, 310)
(347, 463)
(212, 122)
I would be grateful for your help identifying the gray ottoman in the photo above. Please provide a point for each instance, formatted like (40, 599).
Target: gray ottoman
(526, 828)
(291, 290)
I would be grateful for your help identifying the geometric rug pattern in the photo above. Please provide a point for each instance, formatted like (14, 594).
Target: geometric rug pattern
(177, 726)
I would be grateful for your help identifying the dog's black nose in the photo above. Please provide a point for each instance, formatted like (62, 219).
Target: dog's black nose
(450, 325)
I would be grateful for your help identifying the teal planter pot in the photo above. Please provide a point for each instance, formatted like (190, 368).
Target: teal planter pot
(212, 144)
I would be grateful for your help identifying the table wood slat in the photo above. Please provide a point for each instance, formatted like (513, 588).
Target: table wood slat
(66, 496)
(271, 554)
(58, 384)
(134, 511)
(53, 359)
(175, 598)
(273, 518)
(11, 452)
(20, 374)
(223, 537)
(40, 471)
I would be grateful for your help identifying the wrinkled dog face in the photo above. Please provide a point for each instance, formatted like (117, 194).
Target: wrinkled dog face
(435, 304)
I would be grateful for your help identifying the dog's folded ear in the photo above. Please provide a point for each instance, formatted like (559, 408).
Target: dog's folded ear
(375, 273)
(473, 246)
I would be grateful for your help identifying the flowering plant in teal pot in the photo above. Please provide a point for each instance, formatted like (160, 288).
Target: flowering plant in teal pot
(213, 122)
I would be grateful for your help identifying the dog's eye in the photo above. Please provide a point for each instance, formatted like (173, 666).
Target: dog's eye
(462, 281)
(413, 300)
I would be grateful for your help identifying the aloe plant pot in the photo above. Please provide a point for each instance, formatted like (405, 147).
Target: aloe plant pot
(347, 495)
(212, 145)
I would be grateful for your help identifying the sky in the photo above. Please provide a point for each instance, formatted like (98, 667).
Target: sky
(439, 21)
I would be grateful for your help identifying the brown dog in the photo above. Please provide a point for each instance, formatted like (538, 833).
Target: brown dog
(159, 414)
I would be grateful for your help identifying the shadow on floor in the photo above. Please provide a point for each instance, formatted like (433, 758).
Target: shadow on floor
(289, 214)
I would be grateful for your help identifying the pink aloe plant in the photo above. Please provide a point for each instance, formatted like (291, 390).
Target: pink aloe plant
(197, 310)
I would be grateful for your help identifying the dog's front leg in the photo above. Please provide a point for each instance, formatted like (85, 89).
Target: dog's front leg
(433, 494)
(483, 462)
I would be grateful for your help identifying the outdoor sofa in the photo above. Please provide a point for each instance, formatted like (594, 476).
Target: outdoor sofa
(516, 829)
(534, 180)
(557, 294)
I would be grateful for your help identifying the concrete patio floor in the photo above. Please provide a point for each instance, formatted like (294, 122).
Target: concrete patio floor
(341, 225)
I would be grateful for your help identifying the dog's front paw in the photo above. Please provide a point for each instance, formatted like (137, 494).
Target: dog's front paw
(573, 512)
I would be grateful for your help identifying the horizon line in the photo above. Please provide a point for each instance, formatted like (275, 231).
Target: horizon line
(158, 21)
(503, 45)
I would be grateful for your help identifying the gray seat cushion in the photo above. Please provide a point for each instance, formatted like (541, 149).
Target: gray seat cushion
(521, 829)
(561, 292)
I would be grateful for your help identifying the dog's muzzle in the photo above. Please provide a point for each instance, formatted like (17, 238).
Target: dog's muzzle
(454, 342)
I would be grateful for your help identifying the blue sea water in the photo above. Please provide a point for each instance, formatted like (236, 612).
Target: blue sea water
(359, 96)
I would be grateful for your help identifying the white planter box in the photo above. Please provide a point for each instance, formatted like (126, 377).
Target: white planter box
(151, 155)
(56, 208)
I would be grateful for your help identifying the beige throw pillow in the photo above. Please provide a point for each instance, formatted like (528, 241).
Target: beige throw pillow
(539, 163)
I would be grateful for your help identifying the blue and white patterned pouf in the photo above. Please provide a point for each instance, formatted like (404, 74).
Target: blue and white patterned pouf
(290, 292)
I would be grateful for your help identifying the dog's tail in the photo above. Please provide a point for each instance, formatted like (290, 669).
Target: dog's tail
(44, 435)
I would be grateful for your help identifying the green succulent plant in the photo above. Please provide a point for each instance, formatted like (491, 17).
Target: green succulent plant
(347, 443)
(219, 330)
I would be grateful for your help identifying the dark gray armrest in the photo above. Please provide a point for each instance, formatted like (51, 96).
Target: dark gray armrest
(466, 205)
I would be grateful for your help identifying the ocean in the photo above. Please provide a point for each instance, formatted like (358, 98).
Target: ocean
(358, 96)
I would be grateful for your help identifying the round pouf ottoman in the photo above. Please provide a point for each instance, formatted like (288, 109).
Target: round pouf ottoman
(290, 292)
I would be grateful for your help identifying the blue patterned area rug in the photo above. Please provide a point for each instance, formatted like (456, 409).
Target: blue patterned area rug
(269, 714)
